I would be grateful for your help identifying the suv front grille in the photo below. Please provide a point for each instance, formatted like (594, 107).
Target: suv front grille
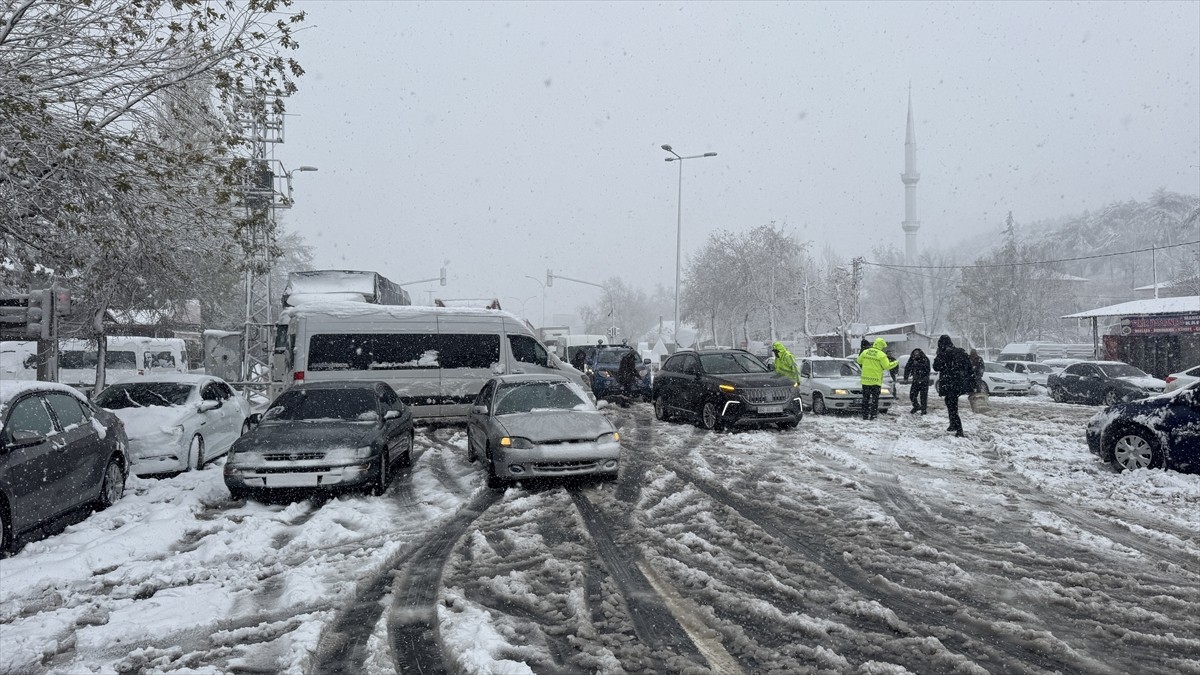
(767, 395)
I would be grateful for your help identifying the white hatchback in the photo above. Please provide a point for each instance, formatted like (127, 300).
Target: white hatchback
(176, 422)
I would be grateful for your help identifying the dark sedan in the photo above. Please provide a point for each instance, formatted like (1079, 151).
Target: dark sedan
(1158, 432)
(58, 452)
(326, 436)
(725, 388)
(1106, 382)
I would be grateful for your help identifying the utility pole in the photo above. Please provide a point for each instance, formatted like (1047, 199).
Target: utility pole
(855, 282)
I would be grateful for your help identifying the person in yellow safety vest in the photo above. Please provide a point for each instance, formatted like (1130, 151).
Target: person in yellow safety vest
(785, 363)
(873, 361)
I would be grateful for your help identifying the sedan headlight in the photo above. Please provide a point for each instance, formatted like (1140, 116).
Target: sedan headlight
(612, 437)
(362, 453)
(841, 392)
(516, 443)
(884, 392)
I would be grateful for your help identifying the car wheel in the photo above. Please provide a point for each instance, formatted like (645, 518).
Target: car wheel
(493, 481)
(818, 404)
(1111, 397)
(383, 476)
(983, 389)
(196, 453)
(1135, 449)
(113, 486)
(470, 448)
(660, 410)
(406, 457)
(1058, 394)
(708, 416)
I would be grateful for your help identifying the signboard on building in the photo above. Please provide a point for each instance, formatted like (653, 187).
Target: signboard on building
(1171, 324)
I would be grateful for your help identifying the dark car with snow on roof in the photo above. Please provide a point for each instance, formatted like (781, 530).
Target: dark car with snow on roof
(1162, 431)
(323, 436)
(1106, 382)
(58, 453)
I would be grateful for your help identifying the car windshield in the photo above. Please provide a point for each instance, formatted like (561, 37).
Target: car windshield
(834, 368)
(610, 356)
(732, 362)
(324, 404)
(523, 397)
(1121, 370)
(144, 394)
(1038, 368)
(995, 368)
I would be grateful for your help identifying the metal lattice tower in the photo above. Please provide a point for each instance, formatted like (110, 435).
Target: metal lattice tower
(264, 128)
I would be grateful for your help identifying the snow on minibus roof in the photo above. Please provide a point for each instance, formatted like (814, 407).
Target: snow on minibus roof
(363, 310)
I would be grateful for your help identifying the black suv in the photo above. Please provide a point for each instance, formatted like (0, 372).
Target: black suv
(724, 388)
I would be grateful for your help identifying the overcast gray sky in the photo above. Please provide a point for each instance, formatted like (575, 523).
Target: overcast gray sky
(510, 138)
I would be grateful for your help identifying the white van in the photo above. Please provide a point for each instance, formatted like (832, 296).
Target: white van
(436, 358)
(126, 357)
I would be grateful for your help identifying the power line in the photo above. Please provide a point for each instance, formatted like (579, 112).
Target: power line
(1019, 264)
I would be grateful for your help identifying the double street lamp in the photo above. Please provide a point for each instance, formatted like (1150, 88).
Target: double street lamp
(679, 230)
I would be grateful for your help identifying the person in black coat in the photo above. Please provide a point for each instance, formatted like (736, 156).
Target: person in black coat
(956, 377)
(917, 372)
(977, 368)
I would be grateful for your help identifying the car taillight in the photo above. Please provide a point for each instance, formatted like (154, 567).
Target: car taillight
(1171, 378)
(298, 376)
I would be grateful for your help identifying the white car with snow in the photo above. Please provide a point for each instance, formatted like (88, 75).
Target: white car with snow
(1182, 379)
(1036, 372)
(177, 422)
(1000, 380)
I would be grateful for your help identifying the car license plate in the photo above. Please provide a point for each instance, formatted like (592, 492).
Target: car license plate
(769, 409)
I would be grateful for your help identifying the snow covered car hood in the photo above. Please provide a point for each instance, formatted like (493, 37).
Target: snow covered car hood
(1151, 383)
(153, 420)
(556, 425)
(832, 382)
(277, 436)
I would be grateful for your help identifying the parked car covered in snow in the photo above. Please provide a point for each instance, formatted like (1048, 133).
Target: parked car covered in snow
(539, 426)
(176, 422)
(1162, 431)
(1000, 380)
(326, 436)
(58, 452)
(1182, 379)
(1106, 382)
(831, 384)
(1037, 373)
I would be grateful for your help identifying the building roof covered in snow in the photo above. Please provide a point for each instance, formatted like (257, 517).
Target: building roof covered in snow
(1147, 307)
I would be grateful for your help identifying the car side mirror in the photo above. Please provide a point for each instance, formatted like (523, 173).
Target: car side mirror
(646, 361)
(254, 418)
(205, 406)
(391, 415)
(23, 439)
(479, 410)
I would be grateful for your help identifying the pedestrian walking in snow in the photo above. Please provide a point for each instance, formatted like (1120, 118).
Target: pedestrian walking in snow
(956, 377)
(977, 368)
(917, 372)
(873, 362)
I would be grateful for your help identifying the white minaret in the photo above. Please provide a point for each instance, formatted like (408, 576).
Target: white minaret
(910, 178)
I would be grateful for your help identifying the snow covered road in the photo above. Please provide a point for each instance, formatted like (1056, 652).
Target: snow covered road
(843, 546)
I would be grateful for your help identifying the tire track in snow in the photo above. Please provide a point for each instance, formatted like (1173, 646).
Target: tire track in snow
(412, 623)
(965, 637)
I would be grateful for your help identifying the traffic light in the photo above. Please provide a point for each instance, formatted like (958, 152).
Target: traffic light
(39, 314)
(62, 302)
(549, 278)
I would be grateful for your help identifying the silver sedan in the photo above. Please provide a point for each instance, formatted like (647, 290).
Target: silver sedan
(539, 426)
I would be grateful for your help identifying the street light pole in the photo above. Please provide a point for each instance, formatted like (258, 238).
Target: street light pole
(679, 231)
(539, 283)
